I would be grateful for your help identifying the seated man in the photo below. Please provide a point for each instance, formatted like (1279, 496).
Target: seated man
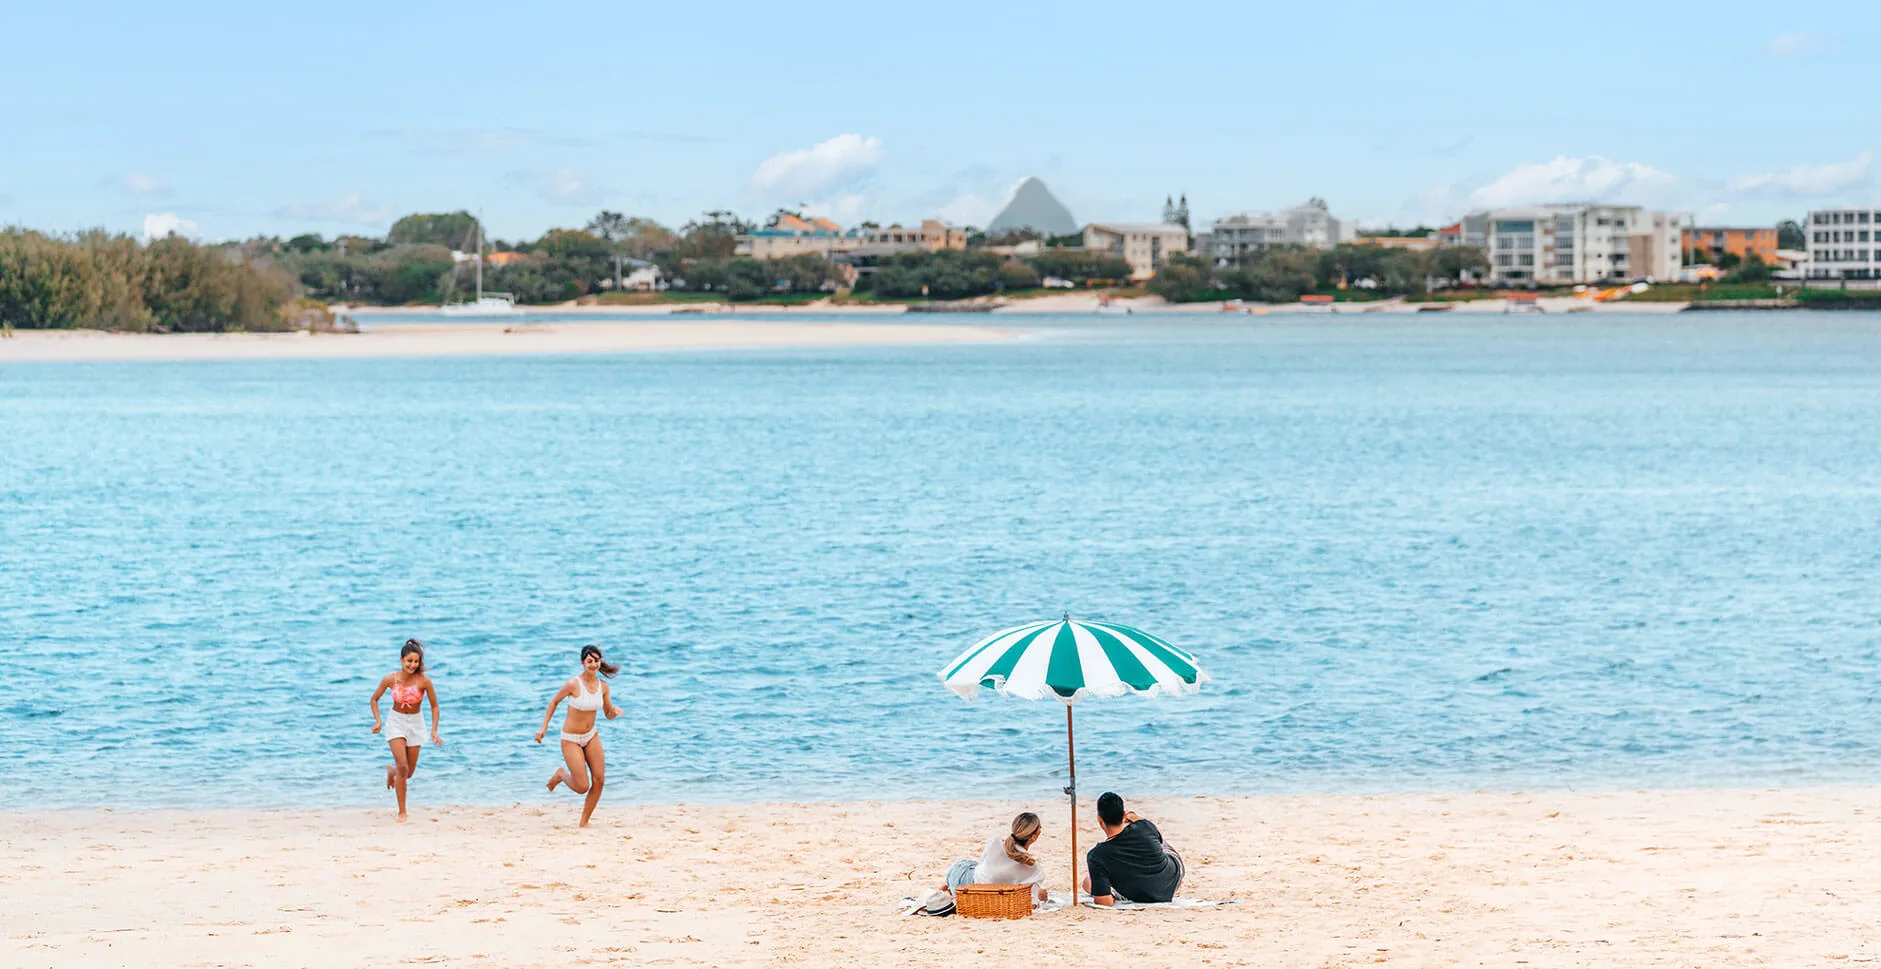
(1132, 862)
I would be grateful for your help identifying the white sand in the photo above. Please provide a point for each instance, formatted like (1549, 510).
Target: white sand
(1680, 878)
(456, 339)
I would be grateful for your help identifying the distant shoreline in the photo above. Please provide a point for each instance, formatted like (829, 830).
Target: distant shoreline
(477, 339)
(1059, 304)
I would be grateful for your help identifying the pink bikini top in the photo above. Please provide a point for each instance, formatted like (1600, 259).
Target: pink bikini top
(406, 696)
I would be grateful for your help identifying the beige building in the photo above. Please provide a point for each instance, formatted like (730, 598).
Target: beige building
(1144, 245)
(932, 235)
(792, 236)
(1412, 243)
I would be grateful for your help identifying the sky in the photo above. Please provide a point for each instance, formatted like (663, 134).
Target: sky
(226, 120)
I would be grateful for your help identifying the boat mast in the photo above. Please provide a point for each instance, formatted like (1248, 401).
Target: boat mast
(479, 255)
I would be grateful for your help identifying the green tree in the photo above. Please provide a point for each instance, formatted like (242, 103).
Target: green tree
(573, 244)
(1751, 269)
(713, 236)
(452, 230)
(1281, 276)
(44, 284)
(630, 235)
(949, 274)
(748, 279)
(413, 274)
(1078, 265)
(1185, 279)
(1790, 235)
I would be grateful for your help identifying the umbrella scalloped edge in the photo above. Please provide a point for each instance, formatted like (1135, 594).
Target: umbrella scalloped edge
(971, 691)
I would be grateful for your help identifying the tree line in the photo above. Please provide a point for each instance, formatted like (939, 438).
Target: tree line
(99, 279)
(1283, 274)
(96, 279)
(413, 263)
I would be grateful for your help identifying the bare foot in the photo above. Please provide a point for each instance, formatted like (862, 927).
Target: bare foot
(401, 817)
(582, 824)
(555, 779)
(389, 768)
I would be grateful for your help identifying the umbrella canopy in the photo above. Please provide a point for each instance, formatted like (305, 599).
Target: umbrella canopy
(1066, 660)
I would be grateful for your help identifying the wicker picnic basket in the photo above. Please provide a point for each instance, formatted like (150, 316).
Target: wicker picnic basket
(993, 901)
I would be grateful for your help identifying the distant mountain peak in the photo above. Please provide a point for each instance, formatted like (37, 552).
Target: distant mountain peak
(1033, 206)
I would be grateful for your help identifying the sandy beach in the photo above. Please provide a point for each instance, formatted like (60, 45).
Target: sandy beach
(477, 339)
(1556, 879)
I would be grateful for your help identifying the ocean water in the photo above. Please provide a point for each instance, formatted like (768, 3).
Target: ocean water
(1413, 553)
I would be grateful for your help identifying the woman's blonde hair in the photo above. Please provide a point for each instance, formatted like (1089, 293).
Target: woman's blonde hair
(1024, 832)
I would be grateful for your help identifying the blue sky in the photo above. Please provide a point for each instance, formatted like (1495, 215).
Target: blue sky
(242, 119)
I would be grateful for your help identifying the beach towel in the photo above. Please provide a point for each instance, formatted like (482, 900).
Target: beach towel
(1059, 901)
(1180, 901)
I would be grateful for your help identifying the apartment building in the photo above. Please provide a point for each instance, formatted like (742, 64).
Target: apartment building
(1714, 241)
(793, 236)
(1843, 244)
(1558, 245)
(1144, 245)
(932, 235)
(1424, 243)
(1309, 225)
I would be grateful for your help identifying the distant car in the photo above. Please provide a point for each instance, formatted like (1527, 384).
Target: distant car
(1053, 282)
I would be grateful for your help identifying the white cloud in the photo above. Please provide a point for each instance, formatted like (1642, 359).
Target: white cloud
(971, 195)
(969, 208)
(842, 209)
(141, 184)
(1565, 179)
(814, 172)
(162, 225)
(1806, 181)
(1798, 43)
(351, 208)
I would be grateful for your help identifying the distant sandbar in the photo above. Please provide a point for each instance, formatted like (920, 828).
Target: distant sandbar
(478, 339)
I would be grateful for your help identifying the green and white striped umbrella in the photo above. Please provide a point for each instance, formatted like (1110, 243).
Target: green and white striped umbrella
(1067, 660)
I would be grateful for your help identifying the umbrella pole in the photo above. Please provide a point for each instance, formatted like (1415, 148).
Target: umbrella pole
(1071, 752)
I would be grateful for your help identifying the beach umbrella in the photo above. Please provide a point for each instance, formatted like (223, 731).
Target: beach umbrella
(1067, 661)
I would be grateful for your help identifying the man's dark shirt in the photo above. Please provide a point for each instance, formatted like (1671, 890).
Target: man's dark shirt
(1134, 865)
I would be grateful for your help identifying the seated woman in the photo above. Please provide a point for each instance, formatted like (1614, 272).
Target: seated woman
(1005, 860)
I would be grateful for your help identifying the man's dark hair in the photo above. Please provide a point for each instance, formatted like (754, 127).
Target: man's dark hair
(1110, 809)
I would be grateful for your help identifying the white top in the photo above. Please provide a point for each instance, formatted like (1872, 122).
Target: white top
(996, 868)
(583, 700)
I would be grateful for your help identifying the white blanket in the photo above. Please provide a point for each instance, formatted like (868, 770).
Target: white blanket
(1180, 901)
(1059, 901)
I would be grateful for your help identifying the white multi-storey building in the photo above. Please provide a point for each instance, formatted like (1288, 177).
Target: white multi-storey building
(1843, 244)
(1556, 245)
(1310, 225)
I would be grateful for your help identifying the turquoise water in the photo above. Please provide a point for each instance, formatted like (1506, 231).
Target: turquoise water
(1413, 553)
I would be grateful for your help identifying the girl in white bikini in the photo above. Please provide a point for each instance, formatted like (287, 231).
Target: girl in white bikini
(587, 694)
(405, 731)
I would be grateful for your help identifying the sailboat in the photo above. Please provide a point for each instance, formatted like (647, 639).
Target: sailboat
(485, 304)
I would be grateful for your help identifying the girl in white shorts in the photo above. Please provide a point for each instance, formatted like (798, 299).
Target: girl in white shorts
(405, 730)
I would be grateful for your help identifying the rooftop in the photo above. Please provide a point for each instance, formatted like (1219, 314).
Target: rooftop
(1137, 226)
